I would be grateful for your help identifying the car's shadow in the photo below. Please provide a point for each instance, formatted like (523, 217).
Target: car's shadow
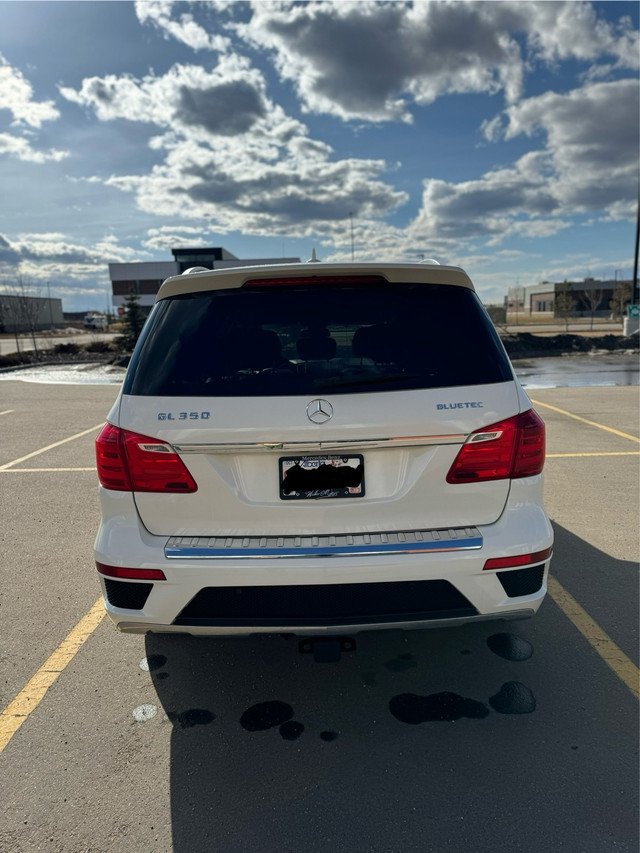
(416, 741)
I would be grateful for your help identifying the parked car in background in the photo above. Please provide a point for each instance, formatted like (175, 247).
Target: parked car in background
(320, 449)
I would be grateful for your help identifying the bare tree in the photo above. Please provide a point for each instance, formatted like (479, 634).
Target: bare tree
(25, 305)
(592, 299)
(564, 303)
(9, 313)
(621, 297)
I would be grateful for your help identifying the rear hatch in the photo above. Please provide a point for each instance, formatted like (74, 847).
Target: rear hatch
(317, 407)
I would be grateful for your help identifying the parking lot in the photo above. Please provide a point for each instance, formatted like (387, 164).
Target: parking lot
(515, 736)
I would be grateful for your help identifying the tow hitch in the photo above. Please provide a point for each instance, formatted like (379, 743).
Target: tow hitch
(326, 649)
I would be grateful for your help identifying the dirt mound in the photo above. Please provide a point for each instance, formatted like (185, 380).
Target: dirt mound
(526, 345)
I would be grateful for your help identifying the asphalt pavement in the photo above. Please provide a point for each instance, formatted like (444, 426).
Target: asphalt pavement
(497, 736)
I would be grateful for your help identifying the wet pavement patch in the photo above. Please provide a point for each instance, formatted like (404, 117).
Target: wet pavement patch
(291, 730)
(510, 647)
(266, 715)
(401, 663)
(439, 707)
(328, 736)
(155, 662)
(513, 698)
(192, 717)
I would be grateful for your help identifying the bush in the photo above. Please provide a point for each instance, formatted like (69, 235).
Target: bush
(99, 346)
(15, 359)
(66, 349)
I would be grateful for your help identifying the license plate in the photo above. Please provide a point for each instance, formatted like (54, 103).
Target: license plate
(317, 477)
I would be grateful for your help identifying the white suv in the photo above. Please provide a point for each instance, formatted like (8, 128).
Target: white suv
(320, 449)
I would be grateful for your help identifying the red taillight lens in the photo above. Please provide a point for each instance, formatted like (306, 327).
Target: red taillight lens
(137, 574)
(518, 560)
(324, 280)
(128, 462)
(110, 460)
(506, 450)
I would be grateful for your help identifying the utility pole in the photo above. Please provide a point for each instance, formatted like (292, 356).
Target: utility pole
(50, 307)
(351, 218)
(635, 297)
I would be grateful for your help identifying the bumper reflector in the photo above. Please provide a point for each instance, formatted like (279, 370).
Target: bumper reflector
(133, 574)
(518, 560)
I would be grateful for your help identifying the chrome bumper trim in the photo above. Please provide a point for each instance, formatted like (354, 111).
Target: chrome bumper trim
(344, 545)
(321, 446)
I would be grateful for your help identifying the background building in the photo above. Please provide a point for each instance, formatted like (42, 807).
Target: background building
(145, 278)
(589, 297)
(20, 313)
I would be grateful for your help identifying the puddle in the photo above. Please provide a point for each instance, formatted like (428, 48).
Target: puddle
(578, 371)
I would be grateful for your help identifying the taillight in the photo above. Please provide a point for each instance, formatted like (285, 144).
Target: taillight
(137, 574)
(288, 281)
(506, 450)
(128, 462)
(518, 560)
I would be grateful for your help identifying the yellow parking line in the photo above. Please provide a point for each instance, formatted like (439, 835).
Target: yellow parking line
(34, 691)
(585, 421)
(7, 411)
(50, 447)
(607, 453)
(610, 653)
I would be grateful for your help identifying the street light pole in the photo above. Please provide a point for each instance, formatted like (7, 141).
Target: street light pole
(635, 298)
(351, 218)
(50, 306)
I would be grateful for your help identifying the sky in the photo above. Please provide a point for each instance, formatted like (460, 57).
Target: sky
(498, 136)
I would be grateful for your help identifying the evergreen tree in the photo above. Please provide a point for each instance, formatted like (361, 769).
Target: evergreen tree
(134, 320)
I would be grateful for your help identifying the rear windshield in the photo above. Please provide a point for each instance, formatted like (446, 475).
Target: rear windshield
(273, 341)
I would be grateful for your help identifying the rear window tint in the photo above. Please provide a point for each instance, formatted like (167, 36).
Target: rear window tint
(316, 340)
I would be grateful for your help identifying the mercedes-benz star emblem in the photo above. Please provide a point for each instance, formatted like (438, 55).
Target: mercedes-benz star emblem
(319, 411)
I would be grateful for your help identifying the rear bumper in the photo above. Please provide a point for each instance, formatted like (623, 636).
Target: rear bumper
(365, 575)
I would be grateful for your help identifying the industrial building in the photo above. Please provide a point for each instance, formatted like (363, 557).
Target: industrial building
(20, 313)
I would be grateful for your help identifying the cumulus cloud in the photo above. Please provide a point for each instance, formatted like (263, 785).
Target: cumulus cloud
(16, 95)
(170, 236)
(183, 28)
(227, 101)
(52, 255)
(369, 61)
(588, 164)
(232, 156)
(21, 149)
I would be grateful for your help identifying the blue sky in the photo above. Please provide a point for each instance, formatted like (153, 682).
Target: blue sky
(501, 136)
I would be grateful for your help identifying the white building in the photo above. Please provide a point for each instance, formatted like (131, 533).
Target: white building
(145, 278)
(590, 296)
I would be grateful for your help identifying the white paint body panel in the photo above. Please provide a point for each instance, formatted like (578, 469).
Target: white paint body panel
(406, 487)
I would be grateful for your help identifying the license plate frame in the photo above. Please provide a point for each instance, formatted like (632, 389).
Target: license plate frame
(327, 484)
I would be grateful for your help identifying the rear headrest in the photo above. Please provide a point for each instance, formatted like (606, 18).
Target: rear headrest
(316, 343)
